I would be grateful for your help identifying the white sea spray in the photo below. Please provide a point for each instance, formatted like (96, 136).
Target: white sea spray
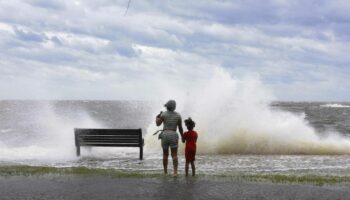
(233, 116)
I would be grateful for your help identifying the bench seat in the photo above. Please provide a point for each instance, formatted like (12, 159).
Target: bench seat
(109, 138)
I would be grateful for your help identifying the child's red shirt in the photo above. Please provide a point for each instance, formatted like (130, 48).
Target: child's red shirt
(190, 138)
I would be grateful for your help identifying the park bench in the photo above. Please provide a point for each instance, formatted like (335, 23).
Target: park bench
(109, 138)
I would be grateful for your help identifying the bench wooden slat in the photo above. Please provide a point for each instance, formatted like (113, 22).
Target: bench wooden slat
(114, 136)
(108, 131)
(110, 141)
(110, 144)
(109, 138)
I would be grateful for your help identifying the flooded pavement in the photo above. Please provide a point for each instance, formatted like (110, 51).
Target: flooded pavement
(98, 187)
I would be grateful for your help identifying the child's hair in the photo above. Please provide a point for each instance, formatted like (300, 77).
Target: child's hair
(190, 123)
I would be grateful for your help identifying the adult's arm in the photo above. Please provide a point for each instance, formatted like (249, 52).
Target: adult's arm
(179, 124)
(159, 119)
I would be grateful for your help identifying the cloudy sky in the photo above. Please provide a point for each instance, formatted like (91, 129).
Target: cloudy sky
(94, 49)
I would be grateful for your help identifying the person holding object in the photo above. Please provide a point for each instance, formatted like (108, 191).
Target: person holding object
(171, 120)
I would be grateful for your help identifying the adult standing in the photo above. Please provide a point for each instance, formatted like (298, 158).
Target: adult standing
(171, 121)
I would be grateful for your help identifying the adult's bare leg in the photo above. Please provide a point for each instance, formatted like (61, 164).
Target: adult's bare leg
(175, 161)
(165, 160)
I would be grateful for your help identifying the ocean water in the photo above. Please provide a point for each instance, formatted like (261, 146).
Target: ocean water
(279, 137)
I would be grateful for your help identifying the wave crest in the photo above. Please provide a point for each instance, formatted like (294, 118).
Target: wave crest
(234, 117)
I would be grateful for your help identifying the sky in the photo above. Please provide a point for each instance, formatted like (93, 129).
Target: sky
(72, 49)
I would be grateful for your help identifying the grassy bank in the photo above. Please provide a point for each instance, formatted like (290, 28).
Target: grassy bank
(302, 179)
(24, 170)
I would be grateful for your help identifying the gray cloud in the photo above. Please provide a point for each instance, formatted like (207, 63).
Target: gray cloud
(29, 36)
(287, 43)
(52, 4)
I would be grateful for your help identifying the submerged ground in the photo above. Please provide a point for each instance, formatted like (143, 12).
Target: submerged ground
(30, 182)
(26, 182)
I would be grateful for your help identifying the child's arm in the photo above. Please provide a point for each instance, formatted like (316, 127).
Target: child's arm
(184, 137)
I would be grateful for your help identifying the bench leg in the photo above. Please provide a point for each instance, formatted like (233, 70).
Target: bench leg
(141, 152)
(78, 150)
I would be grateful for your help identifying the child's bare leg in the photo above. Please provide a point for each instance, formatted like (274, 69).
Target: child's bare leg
(165, 160)
(186, 167)
(193, 168)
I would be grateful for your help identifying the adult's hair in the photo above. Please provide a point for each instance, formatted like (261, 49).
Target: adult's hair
(170, 105)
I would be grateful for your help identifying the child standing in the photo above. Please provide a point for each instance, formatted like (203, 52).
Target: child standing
(190, 137)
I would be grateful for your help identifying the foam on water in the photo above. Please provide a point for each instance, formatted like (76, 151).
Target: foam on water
(234, 117)
(335, 106)
(54, 142)
(5, 130)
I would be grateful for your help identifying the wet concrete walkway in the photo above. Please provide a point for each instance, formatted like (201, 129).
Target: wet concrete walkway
(96, 187)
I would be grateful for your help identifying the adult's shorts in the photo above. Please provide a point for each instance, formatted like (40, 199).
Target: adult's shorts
(170, 139)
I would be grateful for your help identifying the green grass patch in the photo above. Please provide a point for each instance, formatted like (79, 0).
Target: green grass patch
(278, 178)
(25, 170)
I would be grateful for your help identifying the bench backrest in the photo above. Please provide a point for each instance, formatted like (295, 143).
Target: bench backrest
(108, 137)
